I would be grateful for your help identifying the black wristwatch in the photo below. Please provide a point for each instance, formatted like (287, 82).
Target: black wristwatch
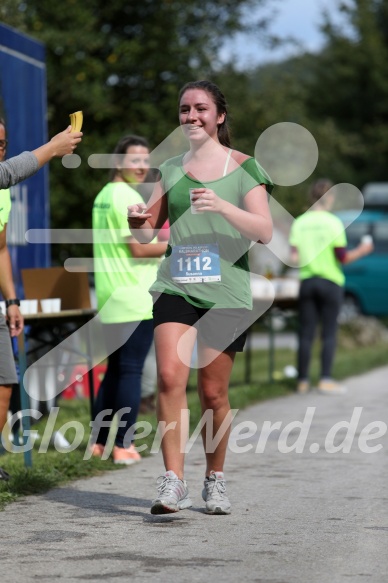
(14, 302)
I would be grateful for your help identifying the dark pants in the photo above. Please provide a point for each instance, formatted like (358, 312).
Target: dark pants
(319, 302)
(121, 386)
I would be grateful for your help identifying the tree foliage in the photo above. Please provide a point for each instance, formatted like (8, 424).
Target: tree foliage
(340, 95)
(123, 64)
(350, 85)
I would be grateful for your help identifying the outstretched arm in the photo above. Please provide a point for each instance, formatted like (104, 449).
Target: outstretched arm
(26, 164)
(145, 220)
(63, 143)
(360, 251)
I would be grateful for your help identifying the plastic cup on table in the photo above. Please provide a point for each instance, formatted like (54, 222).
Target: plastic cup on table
(56, 304)
(24, 307)
(45, 306)
(50, 305)
(32, 306)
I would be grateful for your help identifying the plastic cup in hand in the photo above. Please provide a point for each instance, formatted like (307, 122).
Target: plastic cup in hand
(366, 239)
(194, 210)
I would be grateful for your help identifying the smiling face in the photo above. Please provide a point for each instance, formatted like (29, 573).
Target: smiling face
(135, 164)
(198, 115)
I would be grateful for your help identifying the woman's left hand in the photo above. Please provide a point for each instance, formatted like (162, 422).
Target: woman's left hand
(206, 200)
(15, 320)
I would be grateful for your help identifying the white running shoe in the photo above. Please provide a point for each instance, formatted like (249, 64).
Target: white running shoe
(214, 494)
(173, 494)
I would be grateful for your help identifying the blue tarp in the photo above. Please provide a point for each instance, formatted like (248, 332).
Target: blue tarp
(23, 104)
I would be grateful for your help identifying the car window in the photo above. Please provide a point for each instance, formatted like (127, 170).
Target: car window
(380, 236)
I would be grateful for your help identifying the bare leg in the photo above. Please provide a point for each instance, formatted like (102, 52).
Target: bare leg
(213, 383)
(5, 397)
(172, 381)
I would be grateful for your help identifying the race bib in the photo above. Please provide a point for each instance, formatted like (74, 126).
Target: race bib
(195, 263)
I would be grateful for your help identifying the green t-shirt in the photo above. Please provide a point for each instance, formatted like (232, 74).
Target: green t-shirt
(5, 207)
(119, 277)
(316, 234)
(188, 232)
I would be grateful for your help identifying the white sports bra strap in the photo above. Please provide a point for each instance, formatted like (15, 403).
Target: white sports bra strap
(227, 162)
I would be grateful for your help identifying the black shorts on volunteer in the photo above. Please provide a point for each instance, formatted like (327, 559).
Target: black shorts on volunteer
(224, 329)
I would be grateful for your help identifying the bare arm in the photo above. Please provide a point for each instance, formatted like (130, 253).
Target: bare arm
(294, 256)
(144, 222)
(63, 143)
(360, 251)
(144, 250)
(7, 287)
(253, 221)
(349, 256)
(26, 164)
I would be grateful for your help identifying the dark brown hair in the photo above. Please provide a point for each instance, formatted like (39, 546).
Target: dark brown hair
(318, 189)
(220, 102)
(122, 147)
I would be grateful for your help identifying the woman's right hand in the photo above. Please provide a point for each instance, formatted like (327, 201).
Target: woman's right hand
(65, 142)
(366, 247)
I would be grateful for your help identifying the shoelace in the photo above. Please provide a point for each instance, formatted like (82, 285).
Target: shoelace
(166, 485)
(216, 488)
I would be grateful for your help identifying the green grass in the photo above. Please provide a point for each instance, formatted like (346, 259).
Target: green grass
(54, 468)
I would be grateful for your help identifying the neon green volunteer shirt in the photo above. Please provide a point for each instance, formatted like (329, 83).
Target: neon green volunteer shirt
(5, 207)
(316, 234)
(121, 281)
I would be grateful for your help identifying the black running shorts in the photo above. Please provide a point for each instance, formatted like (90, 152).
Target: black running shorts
(222, 328)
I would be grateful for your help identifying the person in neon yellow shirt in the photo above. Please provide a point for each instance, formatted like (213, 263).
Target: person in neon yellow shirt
(13, 171)
(318, 244)
(124, 271)
(11, 323)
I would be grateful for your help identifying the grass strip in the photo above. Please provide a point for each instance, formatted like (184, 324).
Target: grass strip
(55, 468)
